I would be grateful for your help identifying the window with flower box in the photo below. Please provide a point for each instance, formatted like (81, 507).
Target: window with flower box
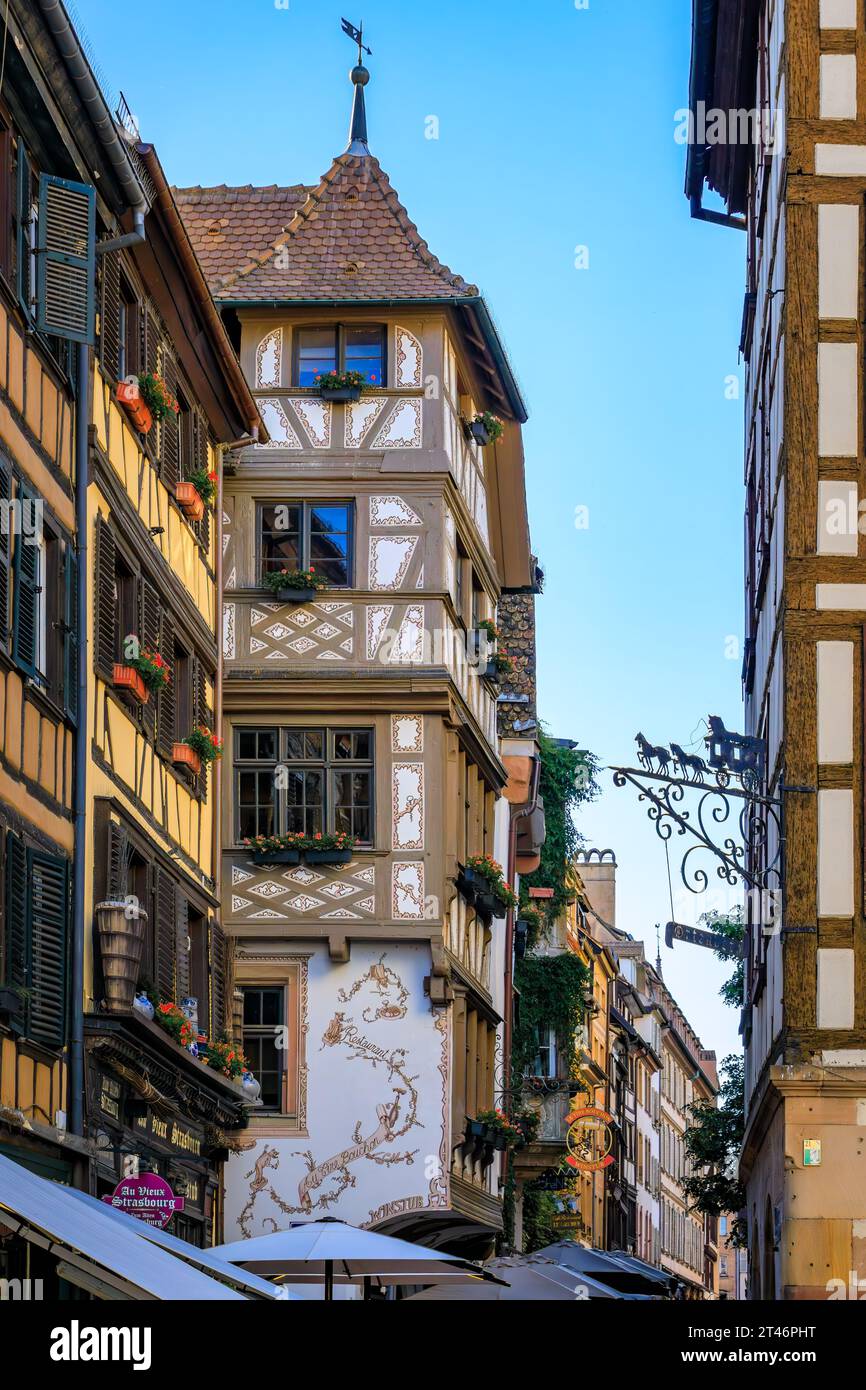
(304, 781)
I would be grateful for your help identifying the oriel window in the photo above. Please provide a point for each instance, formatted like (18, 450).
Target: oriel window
(304, 781)
(344, 347)
(304, 535)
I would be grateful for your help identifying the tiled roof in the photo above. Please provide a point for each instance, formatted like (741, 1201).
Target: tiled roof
(348, 238)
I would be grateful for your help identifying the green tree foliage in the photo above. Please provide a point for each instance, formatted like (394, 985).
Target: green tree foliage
(569, 778)
(731, 925)
(712, 1142)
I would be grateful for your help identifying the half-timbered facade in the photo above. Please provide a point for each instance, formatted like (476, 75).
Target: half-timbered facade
(363, 707)
(799, 196)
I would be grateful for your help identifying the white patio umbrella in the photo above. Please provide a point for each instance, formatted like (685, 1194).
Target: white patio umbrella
(530, 1278)
(333, 1252)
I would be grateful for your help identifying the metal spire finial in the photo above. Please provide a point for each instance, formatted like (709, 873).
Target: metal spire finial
(360, 77)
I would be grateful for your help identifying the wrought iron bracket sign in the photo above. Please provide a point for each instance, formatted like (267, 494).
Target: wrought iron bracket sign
(696, 936)
(719, 803)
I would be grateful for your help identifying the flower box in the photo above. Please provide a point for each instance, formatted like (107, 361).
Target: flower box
(328, 856)
(479, 432)
(474, 1132)
(485, 904)
(128, 679)
(184, 756)
(491, 672)
(128, 394)
(295, 595)
(189, 500)
(340, 393)
(276, 856)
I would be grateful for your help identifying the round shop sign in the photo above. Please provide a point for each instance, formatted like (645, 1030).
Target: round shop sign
(148, 1197)
(589, 1139)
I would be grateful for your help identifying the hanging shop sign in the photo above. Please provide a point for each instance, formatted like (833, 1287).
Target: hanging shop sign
(148, 1197)
(589, 1139)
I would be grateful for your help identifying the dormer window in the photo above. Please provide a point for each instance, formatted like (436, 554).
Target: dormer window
(341, 348)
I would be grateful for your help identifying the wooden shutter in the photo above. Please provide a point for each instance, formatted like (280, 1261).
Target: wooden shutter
(166, 705)
(169, 450)
(149, 636)
(201, 456)
(149, 358)
(201, 715)
(22, 249)
(17, 963)
(49, 928)
(5, 549)
(219, 965)
(117, 885)
(25, 599)
(66, 265)
(70, 633)
(105, 601)
(182, 948)
(109, 314)
(165, 935)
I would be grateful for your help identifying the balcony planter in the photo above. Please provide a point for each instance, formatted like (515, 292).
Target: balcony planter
(121, 926)
(296, 595)
(340, 393)
(479, 432)
(11, 1002)
(190, 500)
(485, 903)
(474, 1132)
(128, 394)
(128, 679)
(263, 857)
(328, 856)
(184, 756)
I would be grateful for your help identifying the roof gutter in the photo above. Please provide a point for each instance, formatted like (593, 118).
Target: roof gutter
(234, 375)
(66, 39)
(474, 302)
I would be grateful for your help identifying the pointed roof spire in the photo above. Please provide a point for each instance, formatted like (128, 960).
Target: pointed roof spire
(360, 77)
(658, 952)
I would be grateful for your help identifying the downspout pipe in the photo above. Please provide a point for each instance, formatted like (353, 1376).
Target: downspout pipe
(75, 1116)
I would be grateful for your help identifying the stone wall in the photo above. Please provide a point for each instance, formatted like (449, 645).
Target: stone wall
(517, 696)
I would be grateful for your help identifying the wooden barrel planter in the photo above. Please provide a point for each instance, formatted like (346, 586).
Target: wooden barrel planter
(121, 927)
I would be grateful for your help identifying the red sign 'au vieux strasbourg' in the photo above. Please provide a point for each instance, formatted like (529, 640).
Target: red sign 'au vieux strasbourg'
(148, 1197)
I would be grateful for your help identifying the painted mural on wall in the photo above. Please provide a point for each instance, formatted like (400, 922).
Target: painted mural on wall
(376, 1140)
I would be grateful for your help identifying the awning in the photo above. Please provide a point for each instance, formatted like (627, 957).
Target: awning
(204, 1259)
(612, 1267)
(95, 1249)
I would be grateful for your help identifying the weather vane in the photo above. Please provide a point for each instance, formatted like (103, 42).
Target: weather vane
(357, 36)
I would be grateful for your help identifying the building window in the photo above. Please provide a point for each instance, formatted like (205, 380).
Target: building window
(305, 535)
(264, 1021)
(304, 781)
(347, 348)
(544, 1062)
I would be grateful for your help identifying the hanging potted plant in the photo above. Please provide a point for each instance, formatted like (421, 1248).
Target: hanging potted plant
(142, 675)
(294, 586)
(323, 848)
(196, 492)
(157, 397)
(341, 386)
(493, 895)
(201, 746)
(121, 924)
(486, 428)
(499, 665)
(275, 849)
(500, 1131)
(128, 394)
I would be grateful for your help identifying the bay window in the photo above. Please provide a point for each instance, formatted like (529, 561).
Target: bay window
(304, 781)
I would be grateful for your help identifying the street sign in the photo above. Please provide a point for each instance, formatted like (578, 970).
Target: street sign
(696, 936)
(148, 1197)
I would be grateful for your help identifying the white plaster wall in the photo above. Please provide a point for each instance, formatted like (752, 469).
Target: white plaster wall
(838, 518)
(835, 702)
(837, 399)
(377, 1102)
(838, 260)
(838, 14)
(835, 988)
(838, 85)
(835, 853)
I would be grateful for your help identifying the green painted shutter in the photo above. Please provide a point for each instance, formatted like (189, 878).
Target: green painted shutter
(105, 601)
(165, 935)
(66, 264)
(70, 633)
(219, 969)
(109, 313)
(49, 931)
(17, 962)
(166, 705)
(22, 249)
(5, 549)
(25, 598)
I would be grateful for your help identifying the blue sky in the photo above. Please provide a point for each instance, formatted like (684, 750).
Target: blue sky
(556, 132)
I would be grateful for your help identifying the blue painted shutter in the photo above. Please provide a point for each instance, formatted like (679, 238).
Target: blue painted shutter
(49, 931)
(66, 270)
(25, 600)
(70, 633)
